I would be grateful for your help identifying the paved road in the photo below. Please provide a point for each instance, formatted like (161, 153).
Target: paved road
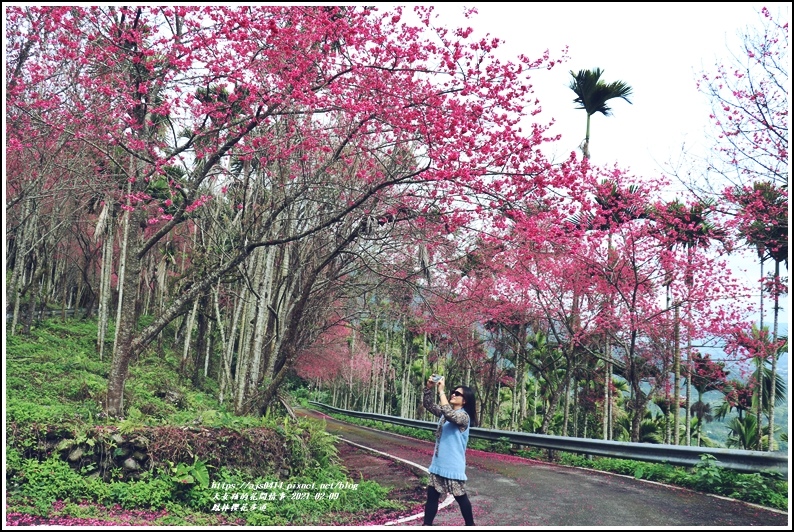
(511, 491)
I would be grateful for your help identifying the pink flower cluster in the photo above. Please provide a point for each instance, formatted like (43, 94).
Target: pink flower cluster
(198, 203)
(133, 199)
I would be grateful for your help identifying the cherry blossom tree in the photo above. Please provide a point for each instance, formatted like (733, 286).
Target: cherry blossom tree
(749, 97)
(745, 172)
(750, 101)
(320, 104)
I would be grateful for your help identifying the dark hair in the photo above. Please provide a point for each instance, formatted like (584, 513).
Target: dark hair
(469, 404)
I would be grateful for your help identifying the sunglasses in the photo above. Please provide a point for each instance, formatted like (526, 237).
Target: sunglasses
(459, 394)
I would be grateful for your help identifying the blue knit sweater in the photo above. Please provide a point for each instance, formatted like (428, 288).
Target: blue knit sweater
(452, 436)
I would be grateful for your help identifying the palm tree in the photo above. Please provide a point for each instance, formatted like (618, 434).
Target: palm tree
(765, 389)
(770, 386)
(764, 210)
(691, 229)
(616, 206)
(667, 404)
(738, 396)
(592, 94)
(744, 434)
(652, 428)
(697, 430)
(704, 375)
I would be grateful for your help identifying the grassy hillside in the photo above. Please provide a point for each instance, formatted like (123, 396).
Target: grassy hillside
(179, 457)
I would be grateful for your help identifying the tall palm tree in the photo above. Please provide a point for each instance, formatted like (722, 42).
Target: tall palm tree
(689, 228)
(668, 405)
(764, 209)
(592, 94)
(616, 206)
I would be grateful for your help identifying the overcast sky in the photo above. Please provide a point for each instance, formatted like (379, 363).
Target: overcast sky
(658, 48)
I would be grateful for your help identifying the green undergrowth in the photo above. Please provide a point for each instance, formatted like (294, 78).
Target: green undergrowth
(765, 488)
(207, 466)
(315, 497)
(768, 489)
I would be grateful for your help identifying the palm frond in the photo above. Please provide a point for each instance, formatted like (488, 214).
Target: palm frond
(592, 93)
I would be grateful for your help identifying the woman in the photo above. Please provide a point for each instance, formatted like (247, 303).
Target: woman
(448, 468)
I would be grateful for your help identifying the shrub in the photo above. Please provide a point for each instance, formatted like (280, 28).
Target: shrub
(45, 482)
(154, 493)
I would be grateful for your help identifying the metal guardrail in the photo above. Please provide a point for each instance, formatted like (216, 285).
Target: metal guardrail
(677, 455)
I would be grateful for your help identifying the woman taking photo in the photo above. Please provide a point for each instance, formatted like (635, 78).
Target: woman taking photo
(448, 468)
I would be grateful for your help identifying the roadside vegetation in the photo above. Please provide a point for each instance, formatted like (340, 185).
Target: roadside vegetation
(66, 466)
(767, 489)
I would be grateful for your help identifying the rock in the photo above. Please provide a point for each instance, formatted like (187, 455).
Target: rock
(172, 395)
(131, 465)
(75, 455)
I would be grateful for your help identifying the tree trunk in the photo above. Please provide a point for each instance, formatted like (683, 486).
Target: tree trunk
(208, 350)
(123, 260)
(566, 407)
(688, 413)
(405, 382)
(280, 283)
(586, 143)
(575, 408)
(384, 371)
(536, 385)
(374, 377)
(191, 320)
(676, 404)
(248, 340)
(64, 295)
(290, 344)
(553, 401)
(772, 446)
(607, 378)
(260, 330)
(105, 287)
(226, 378)
(20, 262)
(202, 340)
(522, 415)
(126, 324)
(31, 308)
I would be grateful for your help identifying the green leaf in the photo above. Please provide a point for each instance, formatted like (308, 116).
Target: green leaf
(201, 474)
